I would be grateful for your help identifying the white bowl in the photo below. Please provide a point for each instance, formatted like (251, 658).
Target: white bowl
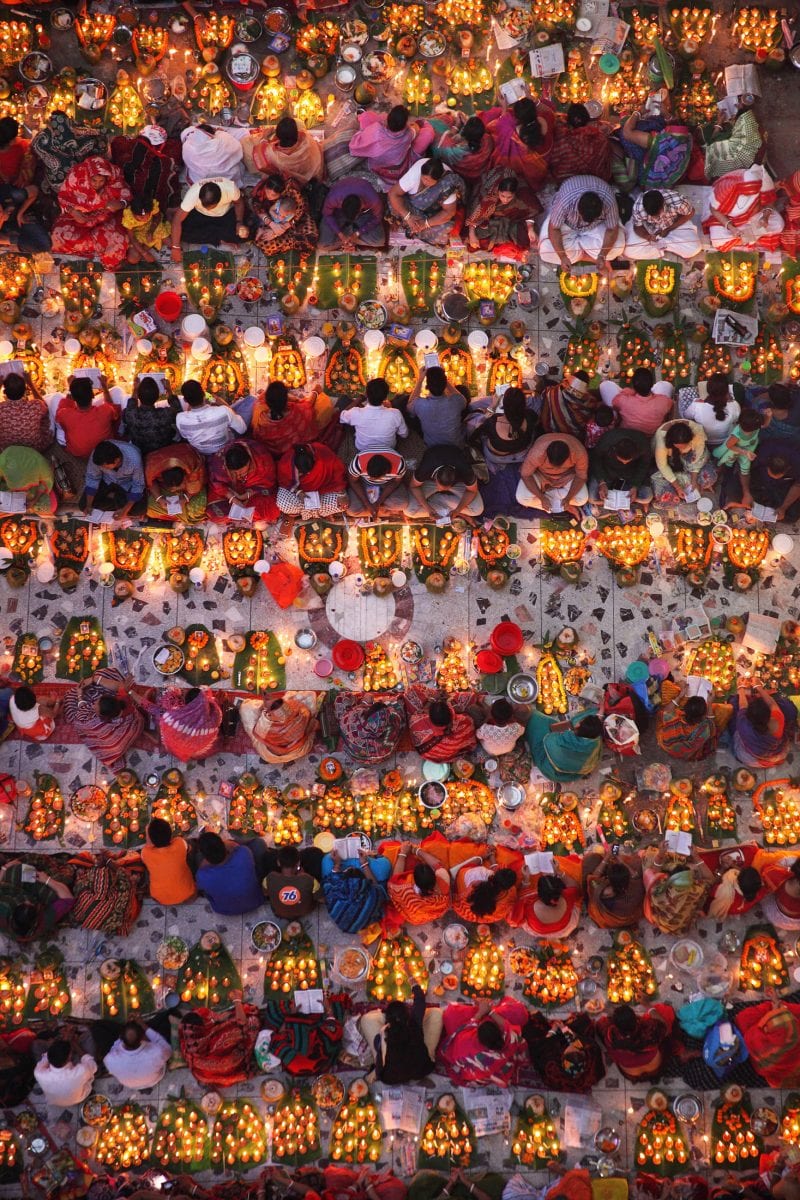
(478, 339)
(254, 336)
(314, 347)
(374, 339)
(426, 340)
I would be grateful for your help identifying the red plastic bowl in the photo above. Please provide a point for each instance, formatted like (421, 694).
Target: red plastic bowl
(489, 662)
(506, 638)
(348, 655)
(169, 306)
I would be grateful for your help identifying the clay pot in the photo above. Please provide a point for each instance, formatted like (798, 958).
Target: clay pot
(179, 581)
(570, 572)
(222, 334)
(709, 305)
(699, 334)
(9, 311)
(89, 339)
(68, 579)
(436, 582)
(321, 582)
(627, 577)
(496, 579)
(73, 322)
(247, 584)
(17, 577)
(271, 66)
(744, 780)
(382, 586)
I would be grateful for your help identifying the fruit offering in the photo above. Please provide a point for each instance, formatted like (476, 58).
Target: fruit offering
(44, 819)
(125, 991)
(239, 1138)
(680, 814)
(535, 1142)
(82, 649)
(209, 978)
(612, 817)
(12, 993)
(447, 1139)
(380, 673)
(734, 1144)
(124, 1140)
(552, 695)
(483, 972)
(295, 1130)
(380, 548)
(762, 966)
(548, 973)
(172, 802)
(252, 806)
(260, 665)
(356, 1132)
(713, 659)
(293, 966)
(661, 1147)
(451, 673)
(630, 975)
(180, 1138)
(720, 820)
(125, 819)
(561, 829)
(396, 966)
(777, 803)
(335, 810)
(48, 991)
(28, 665)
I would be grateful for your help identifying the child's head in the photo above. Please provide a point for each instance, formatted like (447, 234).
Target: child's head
(142, 206)
(603, 416)
(283, 209)
(750, 420)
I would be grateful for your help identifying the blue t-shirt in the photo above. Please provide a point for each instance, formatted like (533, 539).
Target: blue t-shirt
(232, 887)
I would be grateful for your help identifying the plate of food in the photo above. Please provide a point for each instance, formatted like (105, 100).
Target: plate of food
(96, 1109)
(62, 18)
(272, 1090)
(211, 1103)
(172, 953)
(645, 821)
(455, 936)
(352, 964)
(379, 66)
(432, 43)
(250, 289)
(278, 20)
(433, 794)
(35, 67)
(411, 652)
(265, 937)
(89, 802)
(372, 314)
(168, 660)
(721, 534)
(248, 29)
(328, 1091)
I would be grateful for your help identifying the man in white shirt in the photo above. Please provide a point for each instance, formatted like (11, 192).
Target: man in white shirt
(209, 153)
(210, 214)
(138, 1058)
(64, 1083)
(377, 425)
(207, 427)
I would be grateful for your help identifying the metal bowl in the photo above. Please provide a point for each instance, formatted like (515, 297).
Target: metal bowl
(523, 688)
(510, 796)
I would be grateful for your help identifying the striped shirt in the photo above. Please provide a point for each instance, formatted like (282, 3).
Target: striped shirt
(209, 428)
(564, 210)
(675, 207)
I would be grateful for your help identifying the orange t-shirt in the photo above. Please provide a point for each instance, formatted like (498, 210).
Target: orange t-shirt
(171, 881)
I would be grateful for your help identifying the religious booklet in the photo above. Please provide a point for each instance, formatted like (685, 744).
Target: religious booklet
(347, 847)
(312, 501)
(762, 633)
(310, 1001)
(540, 862)
(12, 502)
(678, 841)
(547, 60)
(13, 367)
(402, 1109)
(617, 500)
(92, 373)
(489, 1112)
(609, 36)
(99, 516)
(582, 1120)
(761, 512)
(238, 513)
(159, 377)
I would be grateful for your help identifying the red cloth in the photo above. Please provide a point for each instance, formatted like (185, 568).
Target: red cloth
(86, 227)
(12, 158)
(284, 583)
(295, 426)
(257, 487)
(771, 1033)
(327, 475)
(86, 428)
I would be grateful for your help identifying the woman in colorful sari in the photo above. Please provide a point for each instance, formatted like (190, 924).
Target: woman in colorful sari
(741, 212)
(428, 201)
(440, 729)
(92, 199)
(370, 727)
(676, 889)
(523, 139)
(60, 145)
(419, 887)
(104, 713)
(497, 219)
(581, 146)
(286, 224)
(681, 452)
(549, 906)
(467, 148)
(568, 406)
(188, 722)
(311, 472)
(151, 164)
(485, 878)
(388, 144)
(637, 1043)
(281, 731)
(333, 1183)
(782, 908)
(565, 749)
(25, 470)
(690, 730)
(734, 146)
(280, 421)
(288, 149)
(763, 727)
(176, 483)
(355, 889)
(565, 1053)
(660, 151)
(242, 473)
(482, 1043)
(614, 889)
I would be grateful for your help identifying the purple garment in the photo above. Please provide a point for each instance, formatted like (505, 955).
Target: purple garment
(368, 222)
(756, 749)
